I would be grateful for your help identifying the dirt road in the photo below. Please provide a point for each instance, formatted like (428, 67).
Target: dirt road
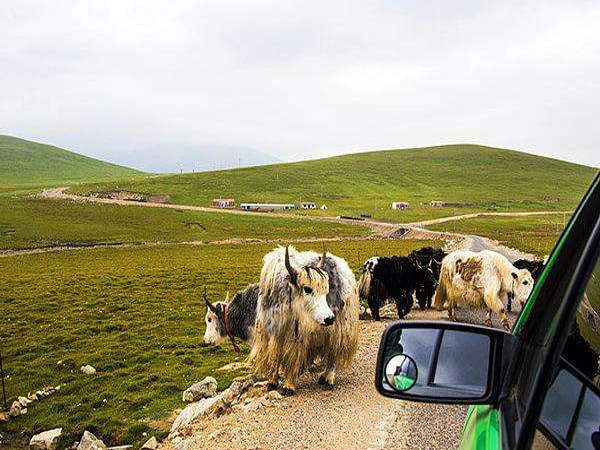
(352, 416)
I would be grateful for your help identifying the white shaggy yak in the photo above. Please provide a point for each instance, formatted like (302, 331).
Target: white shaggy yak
(307, 312)
(486, 279)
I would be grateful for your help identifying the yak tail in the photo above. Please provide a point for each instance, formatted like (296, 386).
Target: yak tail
(441, 293)
(364, 284)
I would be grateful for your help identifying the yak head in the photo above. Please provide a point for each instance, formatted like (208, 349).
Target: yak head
(215, 321)
(522, 283)
(310, 286)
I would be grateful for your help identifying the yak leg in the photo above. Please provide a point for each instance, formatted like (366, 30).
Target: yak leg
(408, 302)
(289, 383)
(373, 306)
(451, 314)
(327, 378)
(494, 303)
(273, 381)
(488, 318)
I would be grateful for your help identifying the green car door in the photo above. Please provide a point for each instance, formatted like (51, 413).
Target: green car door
(542, 329)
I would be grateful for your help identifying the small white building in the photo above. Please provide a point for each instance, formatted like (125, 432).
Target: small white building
(267, 206)
(436, 203)
(324, 208)
(400, 205)
(223, 203)
(308, 205)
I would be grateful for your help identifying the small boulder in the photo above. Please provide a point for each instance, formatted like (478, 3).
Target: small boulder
(48, 440)
(24, 401)
(255, 404)
(33, 397)
(274, 395)
(15, 409)
(204, 389)
(88, 370)
(90, 442)
(150, 444)
(190, 413)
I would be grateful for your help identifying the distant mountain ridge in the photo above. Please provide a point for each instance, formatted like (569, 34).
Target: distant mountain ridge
(182, 157)
(26, 163)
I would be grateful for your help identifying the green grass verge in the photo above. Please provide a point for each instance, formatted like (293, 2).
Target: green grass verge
(473, 177)
(137, 316)
(32, 223)
(531, 234)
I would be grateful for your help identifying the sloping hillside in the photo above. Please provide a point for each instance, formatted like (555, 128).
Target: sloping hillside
(26, 163)
(465, 177)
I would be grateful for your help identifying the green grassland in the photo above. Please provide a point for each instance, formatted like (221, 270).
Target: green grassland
(33, 223)
(25, 164)
(473, 177)
(531, 234)
(137, 316)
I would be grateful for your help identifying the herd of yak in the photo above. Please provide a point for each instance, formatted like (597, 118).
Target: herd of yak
(304, 310)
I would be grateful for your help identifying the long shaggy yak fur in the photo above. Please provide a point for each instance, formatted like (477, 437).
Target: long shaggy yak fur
(286, 336)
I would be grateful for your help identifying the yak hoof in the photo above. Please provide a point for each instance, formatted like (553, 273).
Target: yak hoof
(287, 392)
(324, 383)
(272, 386)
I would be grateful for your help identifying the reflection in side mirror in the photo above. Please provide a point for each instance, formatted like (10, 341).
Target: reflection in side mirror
(401, 372)
(571, 412)
(440, 362)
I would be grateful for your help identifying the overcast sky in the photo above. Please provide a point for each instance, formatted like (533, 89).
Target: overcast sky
(301, 79)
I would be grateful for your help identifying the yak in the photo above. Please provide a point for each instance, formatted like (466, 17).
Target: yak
(478, 279)
(396, 277)
(427, 258)
(307, 311)
(231, 319)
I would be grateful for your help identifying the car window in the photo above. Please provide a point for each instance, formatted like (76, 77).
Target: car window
(581, 351)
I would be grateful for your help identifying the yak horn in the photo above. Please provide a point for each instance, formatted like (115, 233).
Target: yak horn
(209, 305)
(288, 266)
(322, 260)
(227, 297)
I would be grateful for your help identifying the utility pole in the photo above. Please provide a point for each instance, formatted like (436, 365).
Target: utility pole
(3, 388)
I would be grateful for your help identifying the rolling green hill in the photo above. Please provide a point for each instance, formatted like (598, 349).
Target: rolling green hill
(466, 177)
(27, 164)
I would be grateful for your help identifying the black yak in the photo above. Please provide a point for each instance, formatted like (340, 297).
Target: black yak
(397, 278)
(427, 258)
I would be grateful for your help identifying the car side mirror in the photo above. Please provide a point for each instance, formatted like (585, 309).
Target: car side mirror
(442, 362)
(571, 413)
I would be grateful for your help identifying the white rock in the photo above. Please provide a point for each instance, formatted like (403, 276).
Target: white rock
(182, 445)
(121, 447)
(15, 409)
(23, 411)
(150, 444)
(88, 370)
(204, 389)
(48, 440)
(190, 413)
(24, 401)
(90, 442)
(32, 397)
(274, 395)
(255, 404)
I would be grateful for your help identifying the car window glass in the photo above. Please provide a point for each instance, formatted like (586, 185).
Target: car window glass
(560, 403)
(587, 432)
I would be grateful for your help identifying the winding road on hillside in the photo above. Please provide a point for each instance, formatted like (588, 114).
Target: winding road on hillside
(353, 415)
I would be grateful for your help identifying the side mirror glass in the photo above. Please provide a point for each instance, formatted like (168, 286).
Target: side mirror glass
(439, 362)
(571, 412)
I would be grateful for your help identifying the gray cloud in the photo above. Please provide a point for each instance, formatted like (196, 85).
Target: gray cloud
(301, 79)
